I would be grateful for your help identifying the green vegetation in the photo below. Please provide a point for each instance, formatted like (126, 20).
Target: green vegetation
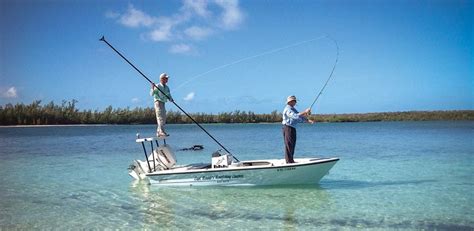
(67, 113)
(398, 116)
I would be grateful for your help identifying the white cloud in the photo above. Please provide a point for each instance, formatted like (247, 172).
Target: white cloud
(189, 96)
(198, 7)
(136, 100)
(136, 18)
(181, 49)
(161, 34)
(232, 16)
(195, 20)
(164, 29)
(10, 93)
(198, 33)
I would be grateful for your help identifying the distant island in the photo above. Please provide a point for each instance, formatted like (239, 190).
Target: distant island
(67, 113)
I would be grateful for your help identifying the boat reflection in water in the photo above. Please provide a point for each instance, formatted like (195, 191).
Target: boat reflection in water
(288, 206)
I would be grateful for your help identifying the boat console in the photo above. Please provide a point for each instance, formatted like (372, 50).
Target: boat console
(221, 160)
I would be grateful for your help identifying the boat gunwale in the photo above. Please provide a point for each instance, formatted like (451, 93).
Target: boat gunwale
(210, 170)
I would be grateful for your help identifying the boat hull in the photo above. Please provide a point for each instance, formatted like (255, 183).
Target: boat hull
(305, 171)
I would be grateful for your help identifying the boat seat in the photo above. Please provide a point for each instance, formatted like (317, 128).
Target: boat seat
(164, 157)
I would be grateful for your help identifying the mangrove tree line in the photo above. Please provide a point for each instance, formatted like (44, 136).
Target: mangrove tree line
(67, 113)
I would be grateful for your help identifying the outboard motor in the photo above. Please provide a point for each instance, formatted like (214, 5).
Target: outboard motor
(137, 169)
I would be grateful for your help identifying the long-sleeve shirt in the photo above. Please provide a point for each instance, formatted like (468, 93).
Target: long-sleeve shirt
(291, 116)
(160, 96)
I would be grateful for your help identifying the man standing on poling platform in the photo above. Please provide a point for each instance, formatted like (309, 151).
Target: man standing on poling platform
(161, 96)
(291, 117)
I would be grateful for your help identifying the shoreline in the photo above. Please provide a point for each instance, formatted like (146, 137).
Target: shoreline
(56, 125)
(44, 117)
(104, 125)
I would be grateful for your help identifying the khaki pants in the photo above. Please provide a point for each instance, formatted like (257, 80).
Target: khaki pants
(160, 111)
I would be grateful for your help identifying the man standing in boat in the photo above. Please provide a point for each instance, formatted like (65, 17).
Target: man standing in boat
(291, 117)
(161, 96)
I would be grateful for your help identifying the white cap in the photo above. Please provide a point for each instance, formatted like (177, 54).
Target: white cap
(290, 98)
(164, 75)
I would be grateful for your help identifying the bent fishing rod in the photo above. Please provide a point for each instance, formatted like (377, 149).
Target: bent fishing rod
(330, 76)
(168, 97)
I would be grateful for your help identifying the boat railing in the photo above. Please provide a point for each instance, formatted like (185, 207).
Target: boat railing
(143, 141)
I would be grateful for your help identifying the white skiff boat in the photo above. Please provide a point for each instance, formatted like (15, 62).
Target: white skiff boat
(161, 169)
(159, 166)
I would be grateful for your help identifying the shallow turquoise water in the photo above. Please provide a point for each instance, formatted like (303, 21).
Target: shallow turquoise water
(394, 175)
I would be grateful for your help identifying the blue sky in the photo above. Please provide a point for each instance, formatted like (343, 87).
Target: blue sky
(240, 55)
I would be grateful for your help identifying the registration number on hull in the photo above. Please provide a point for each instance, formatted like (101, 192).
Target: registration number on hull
(285, 169)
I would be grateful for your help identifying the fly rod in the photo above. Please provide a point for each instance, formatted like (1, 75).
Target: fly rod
(169, 98)
(330, 76)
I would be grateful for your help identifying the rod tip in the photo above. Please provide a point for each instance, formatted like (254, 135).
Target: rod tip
(102, 39)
